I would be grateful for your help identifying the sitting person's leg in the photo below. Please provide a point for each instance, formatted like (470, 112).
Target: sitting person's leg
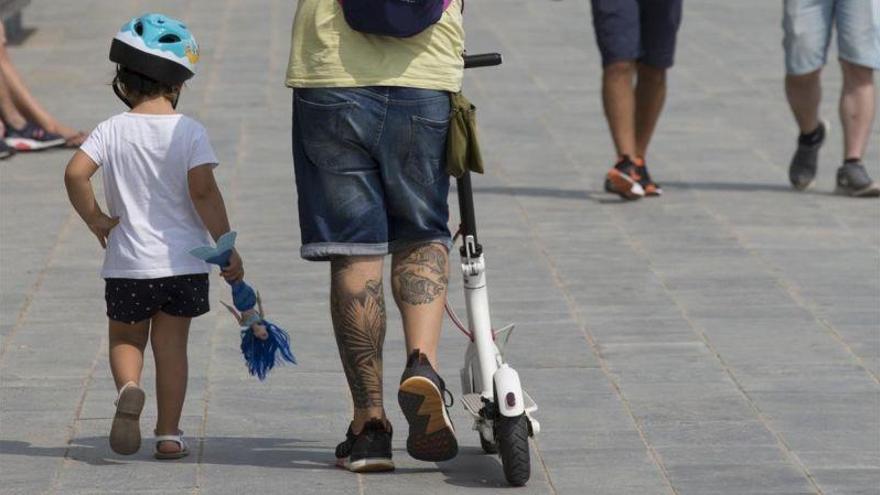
(27, 105)
(8, 113)
(8, 110)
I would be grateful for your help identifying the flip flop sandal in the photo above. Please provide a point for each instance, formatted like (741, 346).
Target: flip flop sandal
(125, 433)
(178, 439)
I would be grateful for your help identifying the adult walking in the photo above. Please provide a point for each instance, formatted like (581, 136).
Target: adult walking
(637, 41)
(808, 25)
(370, 118)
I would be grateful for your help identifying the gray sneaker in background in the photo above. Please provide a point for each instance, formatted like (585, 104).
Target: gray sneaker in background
(805, 162)
(853, 180)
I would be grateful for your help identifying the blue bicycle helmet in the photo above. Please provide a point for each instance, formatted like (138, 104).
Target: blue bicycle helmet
(158, 47)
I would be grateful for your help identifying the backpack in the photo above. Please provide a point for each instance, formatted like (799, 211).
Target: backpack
(398, 18)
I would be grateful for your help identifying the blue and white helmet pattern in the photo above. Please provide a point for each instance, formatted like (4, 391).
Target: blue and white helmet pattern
(158, 47)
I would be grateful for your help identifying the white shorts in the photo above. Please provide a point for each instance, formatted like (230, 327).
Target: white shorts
(808, 25)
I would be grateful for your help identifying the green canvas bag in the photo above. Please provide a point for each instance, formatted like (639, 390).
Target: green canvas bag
(462, 145)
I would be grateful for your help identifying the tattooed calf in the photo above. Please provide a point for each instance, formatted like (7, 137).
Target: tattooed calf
(359, 326)
(419, 276)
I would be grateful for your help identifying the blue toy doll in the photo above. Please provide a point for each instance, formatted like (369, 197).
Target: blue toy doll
(263, 343)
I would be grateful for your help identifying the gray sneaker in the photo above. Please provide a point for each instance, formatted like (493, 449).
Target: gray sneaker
(853, 180)
(802, 170)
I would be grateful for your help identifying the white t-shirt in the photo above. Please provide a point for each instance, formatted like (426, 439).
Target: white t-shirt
(145, 160)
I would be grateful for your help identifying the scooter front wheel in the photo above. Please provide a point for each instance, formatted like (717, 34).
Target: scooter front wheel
(512, 437)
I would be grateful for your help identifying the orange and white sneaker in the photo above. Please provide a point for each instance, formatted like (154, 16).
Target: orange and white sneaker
(421, 398)
(650, 187)
(624, 180)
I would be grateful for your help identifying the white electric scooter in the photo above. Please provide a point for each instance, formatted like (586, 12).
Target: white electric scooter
(491, 389)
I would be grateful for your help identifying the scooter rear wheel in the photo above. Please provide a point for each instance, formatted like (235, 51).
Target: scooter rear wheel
(512, 436)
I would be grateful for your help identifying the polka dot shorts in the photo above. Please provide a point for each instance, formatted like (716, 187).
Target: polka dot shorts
(132, 300)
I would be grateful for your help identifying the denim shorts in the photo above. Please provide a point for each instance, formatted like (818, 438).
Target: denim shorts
(808, 24)
(370, 169)
(642, 30)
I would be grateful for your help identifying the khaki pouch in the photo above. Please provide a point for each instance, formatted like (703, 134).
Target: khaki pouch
(462, 145)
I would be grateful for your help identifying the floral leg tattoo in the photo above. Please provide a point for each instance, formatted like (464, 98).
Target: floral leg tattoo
(419, 276)
(359, 325)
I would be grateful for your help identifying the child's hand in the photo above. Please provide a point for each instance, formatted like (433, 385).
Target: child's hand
(101, 226)
(234, 271)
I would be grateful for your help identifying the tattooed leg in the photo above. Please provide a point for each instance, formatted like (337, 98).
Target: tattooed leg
(357, 307)
(419, 277)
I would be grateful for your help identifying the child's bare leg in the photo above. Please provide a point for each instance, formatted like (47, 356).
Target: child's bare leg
(168, 339)
(127, 344)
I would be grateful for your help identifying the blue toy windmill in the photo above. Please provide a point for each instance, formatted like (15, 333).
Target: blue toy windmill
(263, 343)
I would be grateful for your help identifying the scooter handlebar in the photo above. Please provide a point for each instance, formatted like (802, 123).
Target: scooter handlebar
(482, 60)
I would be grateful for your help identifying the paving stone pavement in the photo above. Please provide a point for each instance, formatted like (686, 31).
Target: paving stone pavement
(724, 339)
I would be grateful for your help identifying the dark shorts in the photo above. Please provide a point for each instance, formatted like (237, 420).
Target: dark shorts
(132, 300)
(370, 169)
(641, 30)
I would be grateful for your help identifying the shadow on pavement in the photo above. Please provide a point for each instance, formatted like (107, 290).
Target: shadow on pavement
(542, 192)
(474, 469)
(230, 451)
(742, 187)
(471, 468)
(605, 198)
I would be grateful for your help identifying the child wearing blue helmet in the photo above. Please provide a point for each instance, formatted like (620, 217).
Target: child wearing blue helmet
(162, 201)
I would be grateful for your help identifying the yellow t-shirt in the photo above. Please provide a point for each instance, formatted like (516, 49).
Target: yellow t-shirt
(326, 52)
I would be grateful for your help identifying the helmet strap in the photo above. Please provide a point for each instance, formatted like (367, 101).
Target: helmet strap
(121, 94)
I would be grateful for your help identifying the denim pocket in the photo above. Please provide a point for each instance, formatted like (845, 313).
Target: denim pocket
(425, 163)
(324, 127)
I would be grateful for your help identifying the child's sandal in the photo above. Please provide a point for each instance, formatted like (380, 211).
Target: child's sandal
(125, 433)
(178, 439)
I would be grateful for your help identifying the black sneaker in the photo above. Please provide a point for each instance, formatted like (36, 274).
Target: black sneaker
(421, 397)
(853, 180)
(32, 137)
(805, 162)
(623, 180)
(6, 151)
(369, 451)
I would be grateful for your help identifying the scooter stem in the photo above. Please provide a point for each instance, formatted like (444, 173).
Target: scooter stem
(476, 297)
